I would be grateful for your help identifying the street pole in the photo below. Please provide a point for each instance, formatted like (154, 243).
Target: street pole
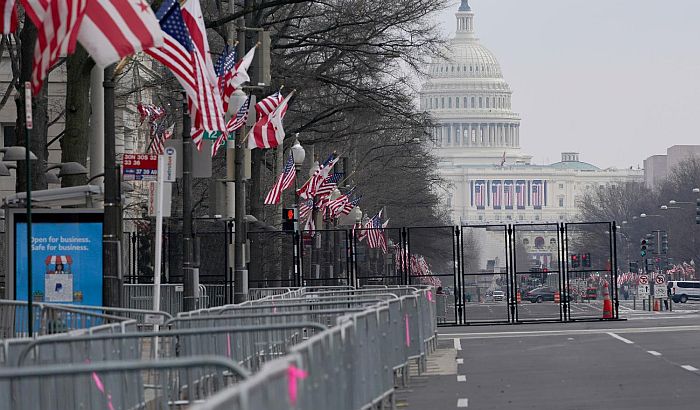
(28, 125)
(111, 237)
(240, 273)
(191, 275)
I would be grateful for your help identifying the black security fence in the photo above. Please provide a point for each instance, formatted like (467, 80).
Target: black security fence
(483, 274)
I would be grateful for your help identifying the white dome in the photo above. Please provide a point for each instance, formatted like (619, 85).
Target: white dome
(467, 60)
(470, 102)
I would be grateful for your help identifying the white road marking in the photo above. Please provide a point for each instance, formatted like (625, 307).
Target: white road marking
(461, 378)
(460, 361)
(458, 344)
(689, 368)
(620, 338)
(463, 403)
(572, 332)
(653, 353)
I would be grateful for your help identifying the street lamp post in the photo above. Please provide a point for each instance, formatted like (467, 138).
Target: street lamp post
(298, 155)
(24, 154)
(356, 215)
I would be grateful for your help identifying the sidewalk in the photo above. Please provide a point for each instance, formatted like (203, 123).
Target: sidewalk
(438, 387)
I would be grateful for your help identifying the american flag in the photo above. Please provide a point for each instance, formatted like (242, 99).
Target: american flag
(177, 52)
(375, 233)
(305, 208)
(329, 184)
(284, 181)
(208, 110)
(308, 190)
(480, 194)
(348, 207)
(359, 231)
(335, 206)
(268, 131)
(223, 68)
(537, 196)
(239, 75)
(151, 112)
(240, 119)
(310, 225)
(508, 194)
(267, 105)
(58, 23)
(113, 29)
(8, 24)
(520, 194)
(496, 194)
(158, 138)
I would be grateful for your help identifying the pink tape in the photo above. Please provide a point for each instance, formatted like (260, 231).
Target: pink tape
(293, 375)
(408, 332)
(228, 345)
(430, 295)
(101, 387)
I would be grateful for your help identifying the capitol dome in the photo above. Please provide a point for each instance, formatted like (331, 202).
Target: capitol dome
(470, 101)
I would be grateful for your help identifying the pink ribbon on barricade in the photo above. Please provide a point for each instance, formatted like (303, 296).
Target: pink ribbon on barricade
(101, 387)
(408, 332)
(294, 374)
(430, 295)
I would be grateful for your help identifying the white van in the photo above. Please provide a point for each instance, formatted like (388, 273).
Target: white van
(684, 290)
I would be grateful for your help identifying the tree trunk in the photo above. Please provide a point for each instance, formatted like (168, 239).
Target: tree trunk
(75, 141)
(40, 115)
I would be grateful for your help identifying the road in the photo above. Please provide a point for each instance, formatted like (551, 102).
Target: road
(648, 362)
(497, 311)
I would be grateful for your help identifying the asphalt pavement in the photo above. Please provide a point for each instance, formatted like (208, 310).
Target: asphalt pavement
(651, 361)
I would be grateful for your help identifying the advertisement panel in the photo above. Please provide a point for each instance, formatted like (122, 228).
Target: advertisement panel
(66, 257)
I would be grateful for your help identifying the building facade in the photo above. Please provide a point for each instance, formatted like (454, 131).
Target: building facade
(658, 167)
(477, 140)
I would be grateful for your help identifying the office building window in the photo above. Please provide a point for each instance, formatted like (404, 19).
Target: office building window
(9, 138)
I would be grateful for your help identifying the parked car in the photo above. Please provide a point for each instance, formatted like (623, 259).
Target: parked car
(498, 296)
(684, 290)
(541, 294)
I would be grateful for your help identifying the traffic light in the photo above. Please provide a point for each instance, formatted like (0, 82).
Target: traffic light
(634, 267)
(697, 211)
(664, 243)
(575, 261)
(643, 248)
(650, 244)
(586, 260)
(290, 219)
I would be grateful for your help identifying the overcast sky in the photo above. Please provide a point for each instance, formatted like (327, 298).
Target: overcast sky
(616, 80)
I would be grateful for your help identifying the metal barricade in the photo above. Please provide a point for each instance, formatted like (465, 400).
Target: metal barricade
(146, 319)
(140, 296)
(350, 366)
(47, 319)
(249, 346)
(169, 383)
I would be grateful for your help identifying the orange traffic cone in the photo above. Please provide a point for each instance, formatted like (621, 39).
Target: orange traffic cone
(607, 303)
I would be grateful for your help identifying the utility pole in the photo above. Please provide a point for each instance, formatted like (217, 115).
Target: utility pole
(190, 274)
(240, 273)
(111, 231)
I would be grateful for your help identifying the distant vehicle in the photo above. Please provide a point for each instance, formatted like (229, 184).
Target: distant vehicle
(684, 290)
(541, 294)
(498, 296)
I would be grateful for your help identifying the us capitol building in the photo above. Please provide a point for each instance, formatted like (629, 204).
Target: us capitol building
(477, 140)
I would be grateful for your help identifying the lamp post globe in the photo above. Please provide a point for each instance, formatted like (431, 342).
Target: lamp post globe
(672, 202)
(237, 99)
(664, 207)
(357, 214)
(298, 153)
(642, 215)
(696, 190)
